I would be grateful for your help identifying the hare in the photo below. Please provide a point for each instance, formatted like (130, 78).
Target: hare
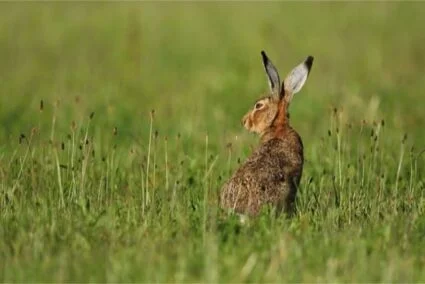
(271, 175)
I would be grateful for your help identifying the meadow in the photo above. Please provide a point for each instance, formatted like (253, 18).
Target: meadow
(121, 121)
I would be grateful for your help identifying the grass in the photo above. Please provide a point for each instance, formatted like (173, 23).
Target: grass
(120, 122)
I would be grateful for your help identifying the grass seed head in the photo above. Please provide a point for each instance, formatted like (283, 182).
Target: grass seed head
(21, 138)
(404, 138)
(73, 125)
(34, 131)
(229, 146)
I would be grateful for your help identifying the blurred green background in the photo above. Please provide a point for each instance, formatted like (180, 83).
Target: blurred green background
(68, 215)
(198, 64)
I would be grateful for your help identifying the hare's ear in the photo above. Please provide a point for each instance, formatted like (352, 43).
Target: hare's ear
(272, 74)
(297, 77)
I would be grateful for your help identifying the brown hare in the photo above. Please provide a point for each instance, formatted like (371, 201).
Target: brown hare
(271, 175)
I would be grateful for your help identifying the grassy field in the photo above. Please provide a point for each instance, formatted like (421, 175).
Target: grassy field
(121, 121)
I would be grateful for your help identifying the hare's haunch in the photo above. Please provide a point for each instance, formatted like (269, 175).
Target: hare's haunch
(271, 175)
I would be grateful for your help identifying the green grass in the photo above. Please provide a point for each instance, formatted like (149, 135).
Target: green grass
(94, 186)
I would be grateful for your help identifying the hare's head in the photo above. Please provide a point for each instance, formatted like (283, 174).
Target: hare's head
(271, 110)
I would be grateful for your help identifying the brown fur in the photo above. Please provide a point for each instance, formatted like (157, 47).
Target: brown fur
(273, 172)
(271, 175)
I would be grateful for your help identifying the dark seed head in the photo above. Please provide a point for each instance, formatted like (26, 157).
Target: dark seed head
(404, 138)
(21, 138)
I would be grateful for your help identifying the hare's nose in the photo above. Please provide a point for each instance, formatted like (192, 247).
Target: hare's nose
(244, 121)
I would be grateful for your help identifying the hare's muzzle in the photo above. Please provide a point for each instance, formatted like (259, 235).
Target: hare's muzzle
(246, 122)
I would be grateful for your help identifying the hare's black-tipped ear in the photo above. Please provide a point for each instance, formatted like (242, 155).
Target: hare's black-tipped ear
(297, 78)
(272, 74)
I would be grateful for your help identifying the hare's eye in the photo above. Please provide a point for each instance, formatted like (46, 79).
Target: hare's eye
(258, 105)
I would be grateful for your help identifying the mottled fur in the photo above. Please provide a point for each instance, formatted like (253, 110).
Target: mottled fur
(271, 175)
